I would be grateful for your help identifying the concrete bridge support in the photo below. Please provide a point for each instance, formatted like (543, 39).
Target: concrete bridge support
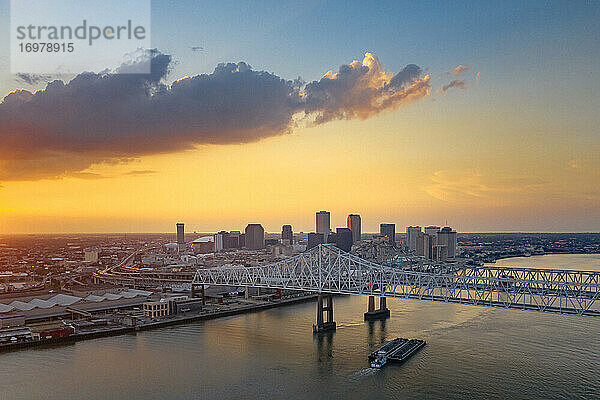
(382, 313)
(194, 291)
(324, 325)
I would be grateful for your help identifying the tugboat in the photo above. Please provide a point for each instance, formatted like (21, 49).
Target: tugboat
(379, 360)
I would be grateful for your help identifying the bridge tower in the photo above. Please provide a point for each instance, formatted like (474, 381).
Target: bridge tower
(324, 325)
(382, 313)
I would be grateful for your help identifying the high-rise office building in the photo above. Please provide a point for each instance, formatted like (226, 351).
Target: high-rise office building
(420, 244)
(287, 235)
(343, 239)
(323, 223)
(314, 239)
(447, 237)
(219, 239)
(255, 237)
(411, 237)
(180, 236)
(425, 245)
(353, 223)
(231, 240)
(429, 248)
(388, 231)
(431, 230)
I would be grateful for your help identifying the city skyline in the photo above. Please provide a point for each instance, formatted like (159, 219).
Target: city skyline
(485, 117)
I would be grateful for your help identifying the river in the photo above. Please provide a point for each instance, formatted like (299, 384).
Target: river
(471, 353)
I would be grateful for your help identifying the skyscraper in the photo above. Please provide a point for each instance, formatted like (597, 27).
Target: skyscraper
(447, 238)
(231, 240)
(287, 235)
(219, 239)
(343, 239)
(255, 237)
(322, 224)
(425, 245)
(180, 236)
(432, 230)
(353, 223)
(411, 237)
(389, 231)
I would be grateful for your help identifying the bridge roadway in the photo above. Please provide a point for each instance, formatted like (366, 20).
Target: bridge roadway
(328, 270)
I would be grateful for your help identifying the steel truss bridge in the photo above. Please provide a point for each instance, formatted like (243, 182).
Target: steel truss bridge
(327, 270)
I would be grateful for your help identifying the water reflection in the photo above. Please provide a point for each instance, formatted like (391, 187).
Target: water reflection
(377, 333)
(324, 345)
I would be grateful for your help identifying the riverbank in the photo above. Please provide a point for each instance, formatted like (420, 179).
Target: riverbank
(529, 255)
(578, 261)
(167, 321)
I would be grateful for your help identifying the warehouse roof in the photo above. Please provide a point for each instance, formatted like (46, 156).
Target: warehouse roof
(66, 300)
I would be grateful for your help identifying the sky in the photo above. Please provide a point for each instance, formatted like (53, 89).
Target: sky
(482, 115)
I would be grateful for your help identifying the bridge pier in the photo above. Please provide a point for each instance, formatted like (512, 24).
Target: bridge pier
(382, 313)
(193, 293)
(329, 324)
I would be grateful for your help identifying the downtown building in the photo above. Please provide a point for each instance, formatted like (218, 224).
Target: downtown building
(255, 237)
(411, 237)
(287, 235)
(323, 223)
(435, 243)
(343, 239)
(314, 239)
(354, 224)
(388, 231)
(180, 237)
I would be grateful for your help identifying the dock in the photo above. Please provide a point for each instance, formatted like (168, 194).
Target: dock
(397, 350)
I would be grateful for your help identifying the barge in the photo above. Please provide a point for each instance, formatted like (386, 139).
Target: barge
(397, 350)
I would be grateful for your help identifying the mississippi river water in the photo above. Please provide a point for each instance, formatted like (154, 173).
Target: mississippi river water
(471, 353)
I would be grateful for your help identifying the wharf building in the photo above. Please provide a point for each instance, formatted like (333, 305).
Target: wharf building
(52, 305)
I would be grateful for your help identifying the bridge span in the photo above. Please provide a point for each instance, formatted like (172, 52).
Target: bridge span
(328, 270)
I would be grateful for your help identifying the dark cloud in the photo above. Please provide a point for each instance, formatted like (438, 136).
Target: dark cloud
(114, 118)
(458, 84)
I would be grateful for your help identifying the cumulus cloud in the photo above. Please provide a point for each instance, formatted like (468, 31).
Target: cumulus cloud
(458, 84)
(363, 89)
(114, 118)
